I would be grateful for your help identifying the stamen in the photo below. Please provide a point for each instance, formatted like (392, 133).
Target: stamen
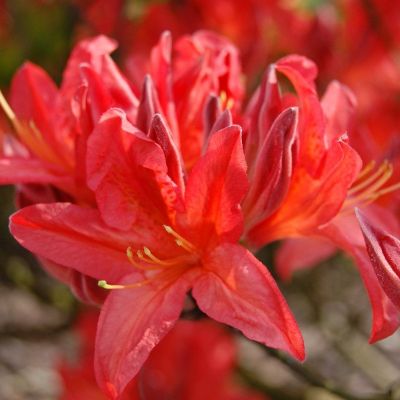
(103, 284)
(129, 254)
(179, 240)
(367, 169)
(6, 107)
(226, 102)
(10, 113)
(383, 173)
(370, 188)
(229, 104)
(223, 96)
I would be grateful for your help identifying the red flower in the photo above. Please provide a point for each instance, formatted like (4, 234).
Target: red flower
(161, 240)
(194, 361)
(46, 156)
(315, 182)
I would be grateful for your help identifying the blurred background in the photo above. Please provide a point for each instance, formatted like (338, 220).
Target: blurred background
(351, 41)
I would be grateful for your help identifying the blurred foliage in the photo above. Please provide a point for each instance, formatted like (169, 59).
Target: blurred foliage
(39, 31)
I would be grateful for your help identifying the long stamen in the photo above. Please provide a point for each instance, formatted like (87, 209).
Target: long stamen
(366, 170)
(179, 240)
(6, 107)
(9, 113)
(371, 188)
(383, 173)
(131, 259)
(103, 284)
(155, 260)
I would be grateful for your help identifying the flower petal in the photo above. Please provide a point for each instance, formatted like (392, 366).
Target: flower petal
(345, 233)
(215, 188)
(301, 253)
(384, 252)
(131, 324)
(74, 237)
(238, 290)
(339, 105)
(273, 168)
(30, 170)
(312, 200)
(128, 173)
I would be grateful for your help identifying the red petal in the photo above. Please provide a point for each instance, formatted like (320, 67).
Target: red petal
(20, 170)
(302, 72)
(384, 252)
(74, 237)
(33, 98)
(161, 72)
(345, 233)
(263, 109)
(132, 323)
(338, 104)
(128, 173)
(89, 51)
(161, 134)
(215, 188)
(194, 361)
(238, 290)
(273, 168)
(301, 253)
(148, 106)
(312, 200)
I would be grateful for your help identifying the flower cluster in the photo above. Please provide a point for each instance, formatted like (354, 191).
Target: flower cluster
(137, 196)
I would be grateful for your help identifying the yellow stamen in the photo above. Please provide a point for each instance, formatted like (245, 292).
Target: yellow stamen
(226, 102)
(131, 259)
(179, 240)
(6, 107)
(223, 96)
(380, 177)
(366, 170)
(229, 104)
(103, 284)
(10, 114)
(368, 189)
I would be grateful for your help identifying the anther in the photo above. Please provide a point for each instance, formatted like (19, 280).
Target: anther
(6, 107)
(179, 240)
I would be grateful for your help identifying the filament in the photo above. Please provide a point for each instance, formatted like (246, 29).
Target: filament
(179, 240)
(369, 188)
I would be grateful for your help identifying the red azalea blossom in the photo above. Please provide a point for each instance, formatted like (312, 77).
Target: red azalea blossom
(194, 361)
(162, 229)
(175, 188)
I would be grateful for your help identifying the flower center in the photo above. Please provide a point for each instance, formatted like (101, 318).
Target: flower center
(157, 268)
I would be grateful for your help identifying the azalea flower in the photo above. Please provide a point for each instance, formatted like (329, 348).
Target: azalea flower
(156, 244)
(194, 361)
(316, 184)
(45, 152)
(173, 202)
